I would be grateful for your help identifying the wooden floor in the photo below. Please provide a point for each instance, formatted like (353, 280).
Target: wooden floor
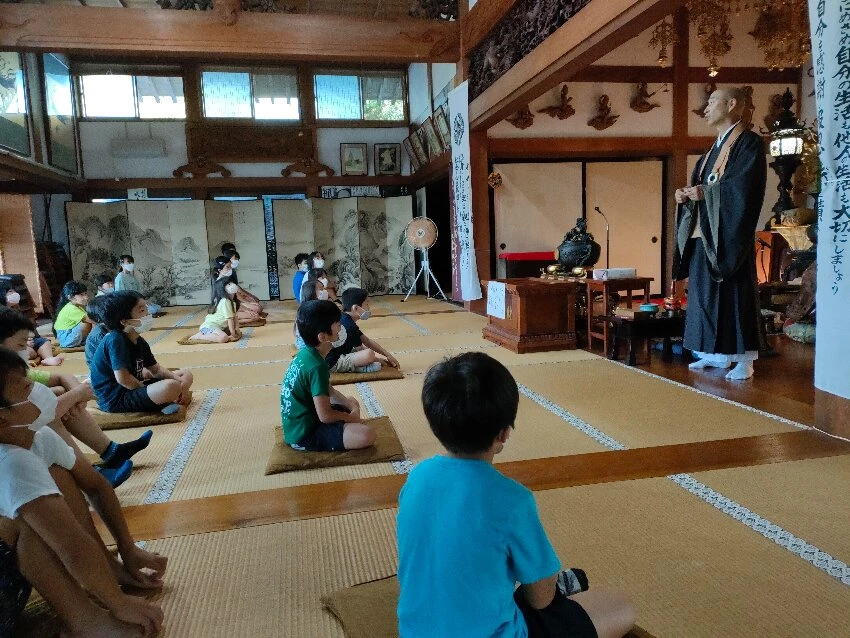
(782, 385)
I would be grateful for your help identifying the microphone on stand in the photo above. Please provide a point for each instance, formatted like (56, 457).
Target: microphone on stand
(607, 239)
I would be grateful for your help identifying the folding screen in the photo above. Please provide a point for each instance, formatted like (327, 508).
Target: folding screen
(243, 224)
(293, 222)
(150, 245)
(399, 253)
(372, 218)
(98, 234)
(189, 253)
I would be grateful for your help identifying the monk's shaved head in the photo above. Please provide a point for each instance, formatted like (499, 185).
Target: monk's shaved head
(733, 93)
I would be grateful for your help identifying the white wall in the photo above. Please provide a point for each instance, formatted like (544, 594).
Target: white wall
(442, 74)
(98, 162)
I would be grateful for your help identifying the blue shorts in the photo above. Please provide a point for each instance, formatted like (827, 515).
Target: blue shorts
(135, 401)
(70, 338)
(37, 342)
(327, 437)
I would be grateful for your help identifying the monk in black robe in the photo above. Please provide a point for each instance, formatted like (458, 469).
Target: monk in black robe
(716, 224)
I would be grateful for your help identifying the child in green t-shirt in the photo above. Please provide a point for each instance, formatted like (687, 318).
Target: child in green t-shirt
(72, 325)
(315, 416)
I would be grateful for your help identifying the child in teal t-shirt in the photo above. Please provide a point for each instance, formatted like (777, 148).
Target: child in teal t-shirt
(468, 534)
(315, 416)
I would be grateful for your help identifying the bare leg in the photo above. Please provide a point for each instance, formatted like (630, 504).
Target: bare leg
(219, 336)
(609, 610)
(47, 356)
(80, 616)
(165, 391)
(357, 435)
(363, 357)
(81, 424)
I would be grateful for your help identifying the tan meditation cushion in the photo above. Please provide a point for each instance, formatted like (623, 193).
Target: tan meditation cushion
(387, 448)
(369, 610)
(59, 350)
(121, 420)
(186, 341)
(386, 373)
(256, 323)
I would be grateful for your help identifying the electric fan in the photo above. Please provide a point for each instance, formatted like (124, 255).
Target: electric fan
(421, 234)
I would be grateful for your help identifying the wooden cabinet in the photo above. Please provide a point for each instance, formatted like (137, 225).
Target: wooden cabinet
(539, 316)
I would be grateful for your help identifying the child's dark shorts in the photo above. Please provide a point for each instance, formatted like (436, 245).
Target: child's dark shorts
(136, 400)
(327, 437)
(14, 590)
(563, 618)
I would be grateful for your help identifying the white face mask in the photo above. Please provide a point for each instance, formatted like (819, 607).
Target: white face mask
(340, 340)
(145, 324)
(107, 288)
(43, 398)
(234, 263)
(304, 267)
(318, 263)
(13, 298)
(322, 295)
(365, 314)
(324, 280)
(129, 267)
(25, 355)
(231, 289)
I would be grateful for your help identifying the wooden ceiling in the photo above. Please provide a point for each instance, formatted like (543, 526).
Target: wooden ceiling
(363, 8)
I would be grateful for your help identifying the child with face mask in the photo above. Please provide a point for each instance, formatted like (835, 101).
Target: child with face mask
(126, 280)
(317, 260)
(71, 408)
(310, 291)
(105, 284)
(18, 394)
(125, 376)
(320, 275)
(250, 308)
(222, 322)
(357, 353)
(72, 325)
(316, 416)
(301, 267)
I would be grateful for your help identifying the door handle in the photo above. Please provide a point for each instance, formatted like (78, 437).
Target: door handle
(655, 240)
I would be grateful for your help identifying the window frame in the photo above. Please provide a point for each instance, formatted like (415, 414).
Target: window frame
(361, 122)
(252, 71)
(132, 72)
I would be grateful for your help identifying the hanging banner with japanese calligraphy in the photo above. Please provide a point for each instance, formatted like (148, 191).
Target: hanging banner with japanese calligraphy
(466, 286)
(830, 24)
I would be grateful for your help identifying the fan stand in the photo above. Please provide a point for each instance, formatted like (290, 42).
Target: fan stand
(425, 272)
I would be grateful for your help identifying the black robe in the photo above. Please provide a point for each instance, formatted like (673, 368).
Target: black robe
(723, 311)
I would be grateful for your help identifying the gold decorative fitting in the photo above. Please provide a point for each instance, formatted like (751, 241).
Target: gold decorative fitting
(782, 34)
(663, 37)
(494, 180)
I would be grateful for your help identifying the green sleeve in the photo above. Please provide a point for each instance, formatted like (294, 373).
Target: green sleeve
(38, 376)
(320, 381)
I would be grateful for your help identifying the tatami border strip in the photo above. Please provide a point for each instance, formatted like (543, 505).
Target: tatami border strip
(374, 408)
(247, 333)
(177, 324)
(176, 463)
(422, 329)
(782, 537)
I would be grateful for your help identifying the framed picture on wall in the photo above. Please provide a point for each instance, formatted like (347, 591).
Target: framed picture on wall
(59, 111)
(353, 159)
(411, 154)
(435, 146)
(387, 159)
(441, 123)
(14, 118)
(418, 148)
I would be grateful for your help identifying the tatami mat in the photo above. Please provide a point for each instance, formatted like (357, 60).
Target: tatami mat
(690, 570)
(231, 454)
(807, 498)
(641, 410)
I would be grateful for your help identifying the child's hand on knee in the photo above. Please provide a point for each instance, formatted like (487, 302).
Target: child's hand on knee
(393, 361)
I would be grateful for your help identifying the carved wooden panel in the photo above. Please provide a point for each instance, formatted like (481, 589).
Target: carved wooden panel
(249, 142)
(525, 26)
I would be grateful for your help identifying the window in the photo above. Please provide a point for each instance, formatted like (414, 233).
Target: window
(261, 95)
(351, 96)
(132, 96)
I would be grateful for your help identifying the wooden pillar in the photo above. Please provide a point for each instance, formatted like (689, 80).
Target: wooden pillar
(17, 243)
(481, 228)
(677, 161)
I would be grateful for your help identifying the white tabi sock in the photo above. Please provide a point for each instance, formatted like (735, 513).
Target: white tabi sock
(744, 370)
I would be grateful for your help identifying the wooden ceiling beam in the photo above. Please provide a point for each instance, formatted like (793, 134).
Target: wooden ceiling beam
(154, 32)
(480, 20)
(600, 27)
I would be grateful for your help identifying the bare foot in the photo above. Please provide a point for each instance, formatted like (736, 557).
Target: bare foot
(103, 625)
(53, 361)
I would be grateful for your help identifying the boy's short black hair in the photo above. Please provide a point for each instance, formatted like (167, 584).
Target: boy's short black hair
(94, 308)
(468, 400)
(128, 258)
(117, 307)
(103, 279)
(9, 361)
(315, 317)
(301, 257)
(12, 321)
(353, 297)
(230, 253)
(227, 246)
(309, 291)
